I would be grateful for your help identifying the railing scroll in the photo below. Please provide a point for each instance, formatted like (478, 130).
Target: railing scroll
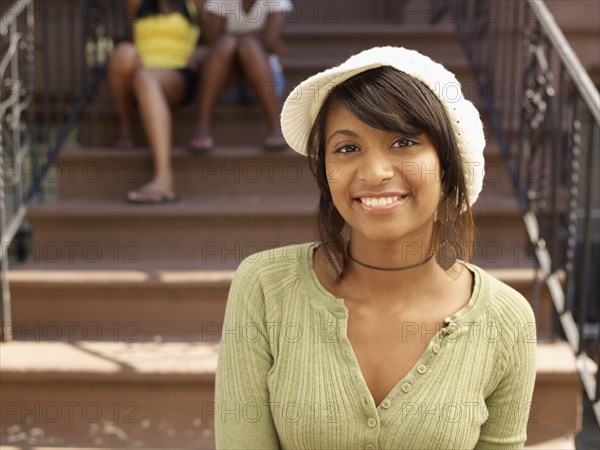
(547, 122)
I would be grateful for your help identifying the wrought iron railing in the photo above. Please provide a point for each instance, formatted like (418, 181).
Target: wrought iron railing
(54, 57)
(16, 98)
(545, 112)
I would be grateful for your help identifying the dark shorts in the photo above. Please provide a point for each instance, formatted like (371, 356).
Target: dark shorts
(191, 82)
(241, 92)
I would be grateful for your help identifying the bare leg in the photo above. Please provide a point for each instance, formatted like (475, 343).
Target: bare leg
(255, 64)
(158, 90)
(215, 73)
(123, 64)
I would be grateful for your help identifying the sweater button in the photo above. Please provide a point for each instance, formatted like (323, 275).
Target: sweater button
(370, 447)
(436, 348)
(406, 387)
(451, 329)
(371, 422)
(422, 369)
(386, 404)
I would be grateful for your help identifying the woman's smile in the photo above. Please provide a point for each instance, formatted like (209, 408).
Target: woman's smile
(383, 203)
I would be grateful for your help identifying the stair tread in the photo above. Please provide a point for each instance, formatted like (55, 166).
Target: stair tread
(141, 361)
(194, 360)
(119, 275)
(556, 360)
(186, 207)
(170, 272)
(366, 29)
(228, 152)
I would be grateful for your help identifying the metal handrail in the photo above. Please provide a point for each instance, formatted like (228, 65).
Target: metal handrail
(11, 111)
(558, 112)
(582, 81)
(46, 133)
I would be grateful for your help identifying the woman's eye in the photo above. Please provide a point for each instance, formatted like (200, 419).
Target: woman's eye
(403, 143)
(346, 149)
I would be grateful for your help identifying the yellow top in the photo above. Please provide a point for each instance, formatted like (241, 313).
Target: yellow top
(165, 40)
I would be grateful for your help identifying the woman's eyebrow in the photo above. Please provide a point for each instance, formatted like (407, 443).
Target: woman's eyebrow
(343, 132)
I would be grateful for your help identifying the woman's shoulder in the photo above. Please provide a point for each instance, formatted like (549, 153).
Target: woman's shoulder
(277, 261)
(502, 300)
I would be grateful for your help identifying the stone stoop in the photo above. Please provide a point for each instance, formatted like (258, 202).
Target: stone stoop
(115, 394)
(117, 314)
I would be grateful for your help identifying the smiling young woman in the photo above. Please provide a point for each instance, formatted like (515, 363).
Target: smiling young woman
(381, 335)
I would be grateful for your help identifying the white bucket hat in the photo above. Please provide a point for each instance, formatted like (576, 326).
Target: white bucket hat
(302, 106)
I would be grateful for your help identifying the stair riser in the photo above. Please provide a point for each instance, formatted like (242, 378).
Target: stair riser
(555, 410)
(211, 175)
(197, 176)
(71, 312)
(108, 414)
(94, 313)
(221, 240)
(343, 46)
(102, 414)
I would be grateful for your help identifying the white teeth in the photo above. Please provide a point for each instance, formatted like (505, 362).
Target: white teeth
(381, 201)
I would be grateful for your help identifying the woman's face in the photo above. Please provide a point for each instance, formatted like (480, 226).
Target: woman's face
(386, 186)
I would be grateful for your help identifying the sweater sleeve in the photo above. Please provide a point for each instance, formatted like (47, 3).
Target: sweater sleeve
(510, 402)
(243, 417)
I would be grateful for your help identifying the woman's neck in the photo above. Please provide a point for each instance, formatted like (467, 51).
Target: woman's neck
(415, 274)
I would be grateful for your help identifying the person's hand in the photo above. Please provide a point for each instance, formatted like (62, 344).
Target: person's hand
(197, 58)
(273, 45)
(280, 49)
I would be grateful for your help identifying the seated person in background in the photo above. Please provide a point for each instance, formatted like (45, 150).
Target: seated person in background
(158, 70)
(245, 39)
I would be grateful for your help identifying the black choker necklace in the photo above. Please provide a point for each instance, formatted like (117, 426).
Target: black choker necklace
(386, 269)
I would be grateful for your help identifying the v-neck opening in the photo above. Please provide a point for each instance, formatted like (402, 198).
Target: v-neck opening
(434, 346)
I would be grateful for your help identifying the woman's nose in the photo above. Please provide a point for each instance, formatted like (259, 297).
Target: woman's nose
(375, 168)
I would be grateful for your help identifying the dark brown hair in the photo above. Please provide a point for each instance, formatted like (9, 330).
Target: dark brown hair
(387, 99)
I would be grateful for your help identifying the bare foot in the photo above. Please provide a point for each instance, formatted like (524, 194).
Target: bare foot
(201, 142)
(152, 193)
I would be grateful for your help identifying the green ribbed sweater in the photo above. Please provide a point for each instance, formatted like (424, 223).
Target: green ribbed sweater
(288, 378)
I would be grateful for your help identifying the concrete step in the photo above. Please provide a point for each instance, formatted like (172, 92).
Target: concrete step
(106, 173)
(118, 303)
(556, 410)
(106, 395)
(206, 230)
(311, 12)
(143, 302)
(344, 39)
(222, 228)
(103, 173)
(232, 124)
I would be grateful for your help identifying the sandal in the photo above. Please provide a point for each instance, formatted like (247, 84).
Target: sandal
(150, 196)
(201, 143)
(124, 143)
